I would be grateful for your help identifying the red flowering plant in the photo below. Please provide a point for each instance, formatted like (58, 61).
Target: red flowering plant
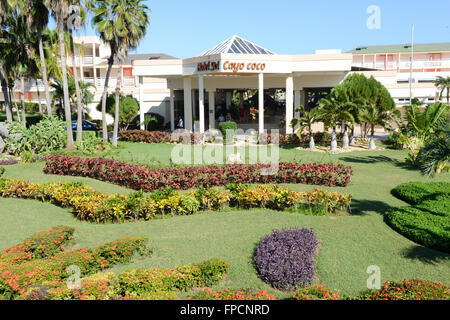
(18, 275)
(137, 177)
(316, 293)
(415, 289)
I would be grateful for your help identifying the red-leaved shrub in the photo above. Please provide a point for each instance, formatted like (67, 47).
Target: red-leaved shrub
(137, 177)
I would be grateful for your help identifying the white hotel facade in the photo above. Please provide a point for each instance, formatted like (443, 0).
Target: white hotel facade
(194, 88)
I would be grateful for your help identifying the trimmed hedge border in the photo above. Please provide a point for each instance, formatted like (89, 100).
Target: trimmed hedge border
(139, 178)
(427, 221)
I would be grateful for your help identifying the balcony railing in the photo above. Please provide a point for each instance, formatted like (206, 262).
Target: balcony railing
(404, 65)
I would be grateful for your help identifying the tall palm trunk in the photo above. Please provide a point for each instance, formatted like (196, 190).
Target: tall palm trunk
(105, 93)
(353, 138)
(6, 99)
(22, 99)
(77, 90)
(13, 100)
(116, 113)
(372, 145)
(334, 140)
(62, 53)
(44, 75)
(312, 144)
(345, 140)
(39, 97)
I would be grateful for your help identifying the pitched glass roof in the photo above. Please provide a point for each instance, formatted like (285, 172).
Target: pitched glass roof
(236, 45)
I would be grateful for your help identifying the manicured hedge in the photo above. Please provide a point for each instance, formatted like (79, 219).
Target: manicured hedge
(417, 192)
(285, 259)
(137, 177)
(427, 221)
(90, 205)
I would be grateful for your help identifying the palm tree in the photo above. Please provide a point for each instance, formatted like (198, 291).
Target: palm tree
(373, 116)
(78, 22)
(305, 120)
(443, 84)
(334, 111)
(18, 47)
(121, 24)
(3, 77)
(37, 19)
(60, 11)
(86, 96)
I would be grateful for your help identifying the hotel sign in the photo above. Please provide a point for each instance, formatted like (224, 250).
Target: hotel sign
(208, 66)
(230, 66)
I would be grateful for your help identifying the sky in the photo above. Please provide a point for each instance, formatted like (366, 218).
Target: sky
(185, 29)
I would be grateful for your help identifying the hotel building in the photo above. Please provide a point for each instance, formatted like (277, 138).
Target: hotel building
(198, 89)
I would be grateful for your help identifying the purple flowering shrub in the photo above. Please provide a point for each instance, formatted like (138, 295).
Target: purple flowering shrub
(285, 258)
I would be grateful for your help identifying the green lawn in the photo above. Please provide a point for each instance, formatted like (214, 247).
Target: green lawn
(348, 244)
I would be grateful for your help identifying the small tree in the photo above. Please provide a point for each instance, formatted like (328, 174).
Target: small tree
(334, 111)
(443, 84)
(374, 117)
(305, 120)
(128, 109)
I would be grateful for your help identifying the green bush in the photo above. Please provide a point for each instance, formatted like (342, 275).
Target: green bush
(2, 171)
(46, 136)
(416, 192)
(154, 122)
(228, 130)
(427, 221)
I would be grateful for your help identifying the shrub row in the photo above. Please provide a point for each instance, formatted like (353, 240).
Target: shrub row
(417, 192)
(90, 205)
(154, 137)
(16, 278)
(152, 284)
(285, 258)
(320, 138)
(137, 177)
(427, 221)
(415, 289)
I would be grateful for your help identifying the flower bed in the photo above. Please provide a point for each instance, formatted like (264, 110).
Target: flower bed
(90, 205)
(18, 275)
(139, 178)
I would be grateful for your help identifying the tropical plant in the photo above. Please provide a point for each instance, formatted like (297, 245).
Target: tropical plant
(305, 120)
(434, 157)
(37, 16)
(86, 96)
(421, 126)
(17, 47)
(443, 84)
(334, 111)
(46, 136)
(4, 9)
(128, 109)
(374, 117)
(121, 24)
(60, 11)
